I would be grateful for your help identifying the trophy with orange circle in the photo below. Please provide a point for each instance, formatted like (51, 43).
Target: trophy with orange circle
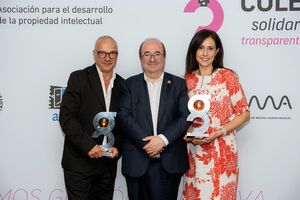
(199, 106)
(104, 122)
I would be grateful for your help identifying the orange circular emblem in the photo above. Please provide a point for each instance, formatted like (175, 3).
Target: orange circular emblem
(199, 105)
(103, 122)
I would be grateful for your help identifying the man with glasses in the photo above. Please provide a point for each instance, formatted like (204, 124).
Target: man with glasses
(89, 175)
(153, 112)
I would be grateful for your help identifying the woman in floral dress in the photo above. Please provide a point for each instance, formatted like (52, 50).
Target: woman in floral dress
(213, 173)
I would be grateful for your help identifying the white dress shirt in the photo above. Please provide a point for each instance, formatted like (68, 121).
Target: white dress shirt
(106, 94)
(154, 90)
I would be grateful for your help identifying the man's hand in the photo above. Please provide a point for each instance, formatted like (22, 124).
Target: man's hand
(114, 151)
(154, 146)
(96, 152)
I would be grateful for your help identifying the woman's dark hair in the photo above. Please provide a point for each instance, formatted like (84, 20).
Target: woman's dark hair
(191, 62)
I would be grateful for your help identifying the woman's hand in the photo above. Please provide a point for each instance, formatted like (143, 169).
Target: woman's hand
(205, 140)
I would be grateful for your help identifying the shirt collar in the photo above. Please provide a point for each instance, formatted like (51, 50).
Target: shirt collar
(111, 83)
(154, 81)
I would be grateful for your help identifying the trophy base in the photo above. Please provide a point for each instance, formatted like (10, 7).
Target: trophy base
(107, 154)
(106, 148)
(192, 135)
(189, 138)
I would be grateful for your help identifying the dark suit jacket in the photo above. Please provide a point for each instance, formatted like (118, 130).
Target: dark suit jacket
(136, 123)
(82, 100)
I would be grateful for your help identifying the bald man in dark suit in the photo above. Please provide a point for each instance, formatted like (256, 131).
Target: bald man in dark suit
(89, 175)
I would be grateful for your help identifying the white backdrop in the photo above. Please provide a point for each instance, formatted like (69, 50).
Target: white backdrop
(261, 42)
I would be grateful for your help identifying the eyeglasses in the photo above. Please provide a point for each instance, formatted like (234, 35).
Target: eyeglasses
(156, 55)
(103, 54)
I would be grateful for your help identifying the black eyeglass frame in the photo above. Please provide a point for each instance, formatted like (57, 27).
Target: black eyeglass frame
(103, 54)
(156, 55)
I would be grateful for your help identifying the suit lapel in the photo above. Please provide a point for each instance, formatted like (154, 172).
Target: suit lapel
(115, 97)
(96, 85)
(143, 91)
(165, 87)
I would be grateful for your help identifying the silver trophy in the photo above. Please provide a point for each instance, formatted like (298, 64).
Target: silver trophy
(199, 106)
(104, 122)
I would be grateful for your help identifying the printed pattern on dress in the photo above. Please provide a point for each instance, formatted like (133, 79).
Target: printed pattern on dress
(214, 171)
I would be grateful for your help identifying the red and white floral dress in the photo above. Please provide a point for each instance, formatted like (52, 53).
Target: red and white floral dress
(213, 173)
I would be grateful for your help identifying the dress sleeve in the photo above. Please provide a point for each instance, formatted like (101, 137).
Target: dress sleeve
(236, 94)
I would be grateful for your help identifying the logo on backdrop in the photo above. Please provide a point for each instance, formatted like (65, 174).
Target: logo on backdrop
(280, 5)
(284, 101)
(272, 22)
(282, 105)
(55, 97)
(1, 102)
(214, 6)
